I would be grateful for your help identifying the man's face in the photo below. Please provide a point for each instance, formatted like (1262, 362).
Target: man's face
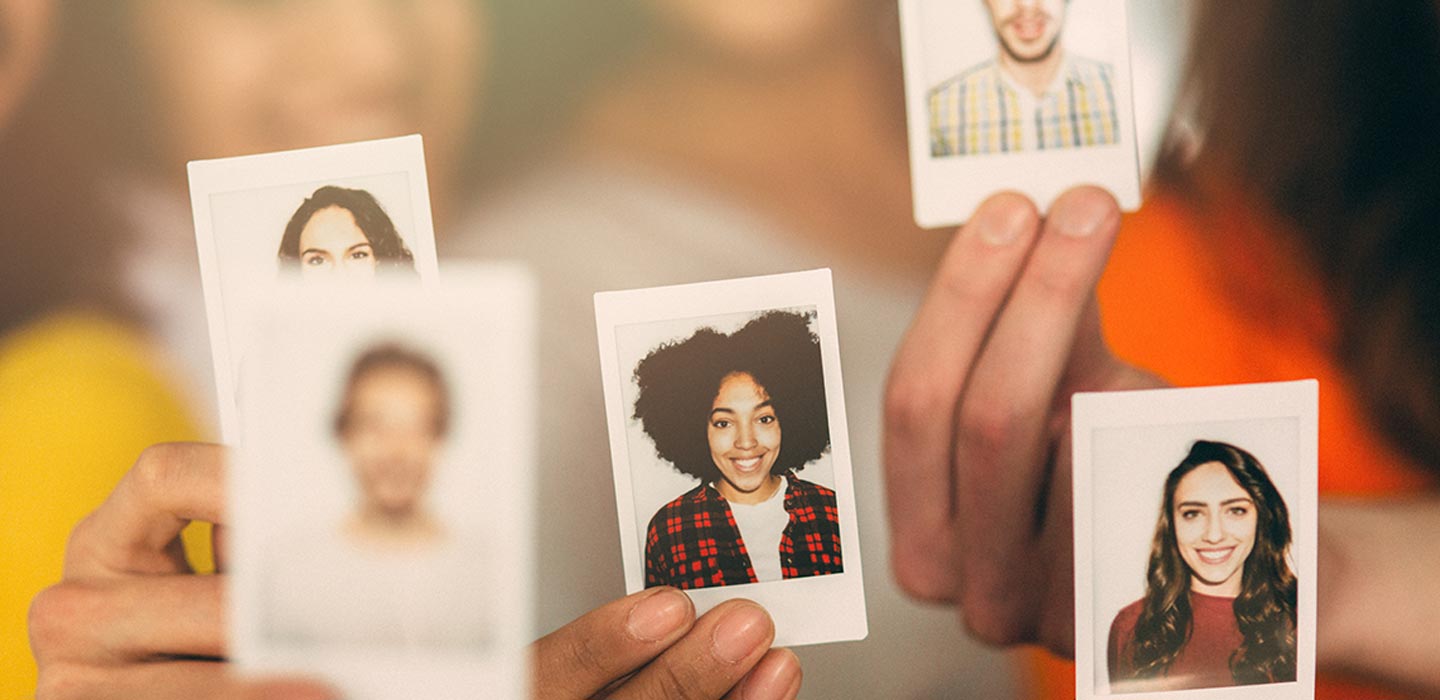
(1029, 30)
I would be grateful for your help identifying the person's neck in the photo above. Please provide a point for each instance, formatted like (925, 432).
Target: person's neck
(1225, 589)
(816, 144)
(376, 524)
(766, 491)
(1035, 76)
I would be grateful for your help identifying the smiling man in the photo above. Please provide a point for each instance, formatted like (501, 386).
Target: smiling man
(1034, 95)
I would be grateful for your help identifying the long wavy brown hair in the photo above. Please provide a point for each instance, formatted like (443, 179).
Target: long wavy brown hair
(1265, 608)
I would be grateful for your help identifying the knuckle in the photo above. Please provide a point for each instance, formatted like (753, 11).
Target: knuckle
(912, 404)
(584, 655)
(61, 682)
(987, 427)
(54, 618)
(672, 681)
(157, 469)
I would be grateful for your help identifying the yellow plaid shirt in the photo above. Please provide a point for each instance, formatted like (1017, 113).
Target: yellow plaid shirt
(979, 111)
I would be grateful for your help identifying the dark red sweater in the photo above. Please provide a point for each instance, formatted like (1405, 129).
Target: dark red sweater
(1204, 661)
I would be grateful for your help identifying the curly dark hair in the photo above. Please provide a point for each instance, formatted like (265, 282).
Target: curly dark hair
(679, 380)
(390, 250)
(1265, 608)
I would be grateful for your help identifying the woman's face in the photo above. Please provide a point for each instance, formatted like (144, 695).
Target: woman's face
(744, 432)
(1214, 528)
(332, 244)
(391, 437)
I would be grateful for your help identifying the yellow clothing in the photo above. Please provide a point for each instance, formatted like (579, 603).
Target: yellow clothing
(79, 400)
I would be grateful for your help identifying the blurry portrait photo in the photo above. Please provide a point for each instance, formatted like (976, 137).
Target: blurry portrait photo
(1198, 540)
(1033, 94)
(731, 462)
(347, 214)
(381, 496)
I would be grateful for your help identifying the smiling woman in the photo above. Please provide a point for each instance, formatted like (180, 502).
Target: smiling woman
(1219, 606)
(344, 231)
(741, 413)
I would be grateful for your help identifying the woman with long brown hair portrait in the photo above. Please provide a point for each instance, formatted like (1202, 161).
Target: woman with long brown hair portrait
(1220, 598)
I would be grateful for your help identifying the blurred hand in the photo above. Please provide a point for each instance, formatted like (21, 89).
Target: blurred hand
(977, 416)
(130, 619)
(652, 643)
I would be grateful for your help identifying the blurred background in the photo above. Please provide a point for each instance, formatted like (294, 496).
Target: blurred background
(609, 145)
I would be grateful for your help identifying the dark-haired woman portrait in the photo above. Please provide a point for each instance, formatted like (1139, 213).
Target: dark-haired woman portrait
(1219, 605)
(741, 413)
(343, 231)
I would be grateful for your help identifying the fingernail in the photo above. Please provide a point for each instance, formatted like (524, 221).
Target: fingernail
(1000, 224)
(1082, 218)
(743, 629)
(658, 616)
(776, 678)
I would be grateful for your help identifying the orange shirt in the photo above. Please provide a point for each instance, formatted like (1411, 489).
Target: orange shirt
(1220, 298)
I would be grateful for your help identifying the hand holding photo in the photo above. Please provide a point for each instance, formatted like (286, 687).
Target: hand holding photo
(380, 501)
(1211, 582)
(333, 215)
(729, 447)
(1030, 96)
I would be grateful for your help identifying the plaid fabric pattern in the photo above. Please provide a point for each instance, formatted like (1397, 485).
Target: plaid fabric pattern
(979, 111)
(693, 541)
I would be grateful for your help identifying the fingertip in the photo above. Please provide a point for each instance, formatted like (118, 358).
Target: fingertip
(1084, 211)
(1004, 217)
(660, 614)
(743, 628)
(778, 676)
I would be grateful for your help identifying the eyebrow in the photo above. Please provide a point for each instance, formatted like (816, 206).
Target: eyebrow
(722, 409)
(1226, 502)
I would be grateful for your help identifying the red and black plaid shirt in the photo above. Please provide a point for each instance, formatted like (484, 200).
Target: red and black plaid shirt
(693, 541)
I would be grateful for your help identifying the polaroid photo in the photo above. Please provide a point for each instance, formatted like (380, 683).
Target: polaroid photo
(1033, 97)
(337, 214)
(381, 500)
(1195, 542)
(729, 444)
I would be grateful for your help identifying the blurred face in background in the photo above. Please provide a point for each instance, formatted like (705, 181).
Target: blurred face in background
(761, 29)
(232, 77)
(24, 34)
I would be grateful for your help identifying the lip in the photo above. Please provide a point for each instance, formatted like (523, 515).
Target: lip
(1029, 29)
(1215, 555)
(746, 465)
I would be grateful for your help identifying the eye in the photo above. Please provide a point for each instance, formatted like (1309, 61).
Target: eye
(767, 419)
(1190, 514)
(1239, 511)
(313, 260)
(360, 254)
(720, 424)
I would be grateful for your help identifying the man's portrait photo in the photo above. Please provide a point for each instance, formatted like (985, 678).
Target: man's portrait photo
(1032, 94)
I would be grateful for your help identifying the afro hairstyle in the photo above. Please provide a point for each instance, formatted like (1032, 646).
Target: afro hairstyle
(679, 380)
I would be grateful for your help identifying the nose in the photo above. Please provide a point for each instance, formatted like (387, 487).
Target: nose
(1214, 532)
(745, 436)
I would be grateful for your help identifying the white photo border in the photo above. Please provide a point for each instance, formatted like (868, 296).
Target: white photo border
(948, 189)
(809, 610)
(1162, 407)
(241, 173)
(498, 300)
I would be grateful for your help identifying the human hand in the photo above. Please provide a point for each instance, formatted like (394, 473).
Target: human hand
(130, 619)
(977, 416)
(649, 646)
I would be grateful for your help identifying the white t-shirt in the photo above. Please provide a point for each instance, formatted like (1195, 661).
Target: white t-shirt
(761, 527)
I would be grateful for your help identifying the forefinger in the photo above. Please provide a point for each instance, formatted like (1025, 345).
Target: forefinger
(135, 530)
(930, 369)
